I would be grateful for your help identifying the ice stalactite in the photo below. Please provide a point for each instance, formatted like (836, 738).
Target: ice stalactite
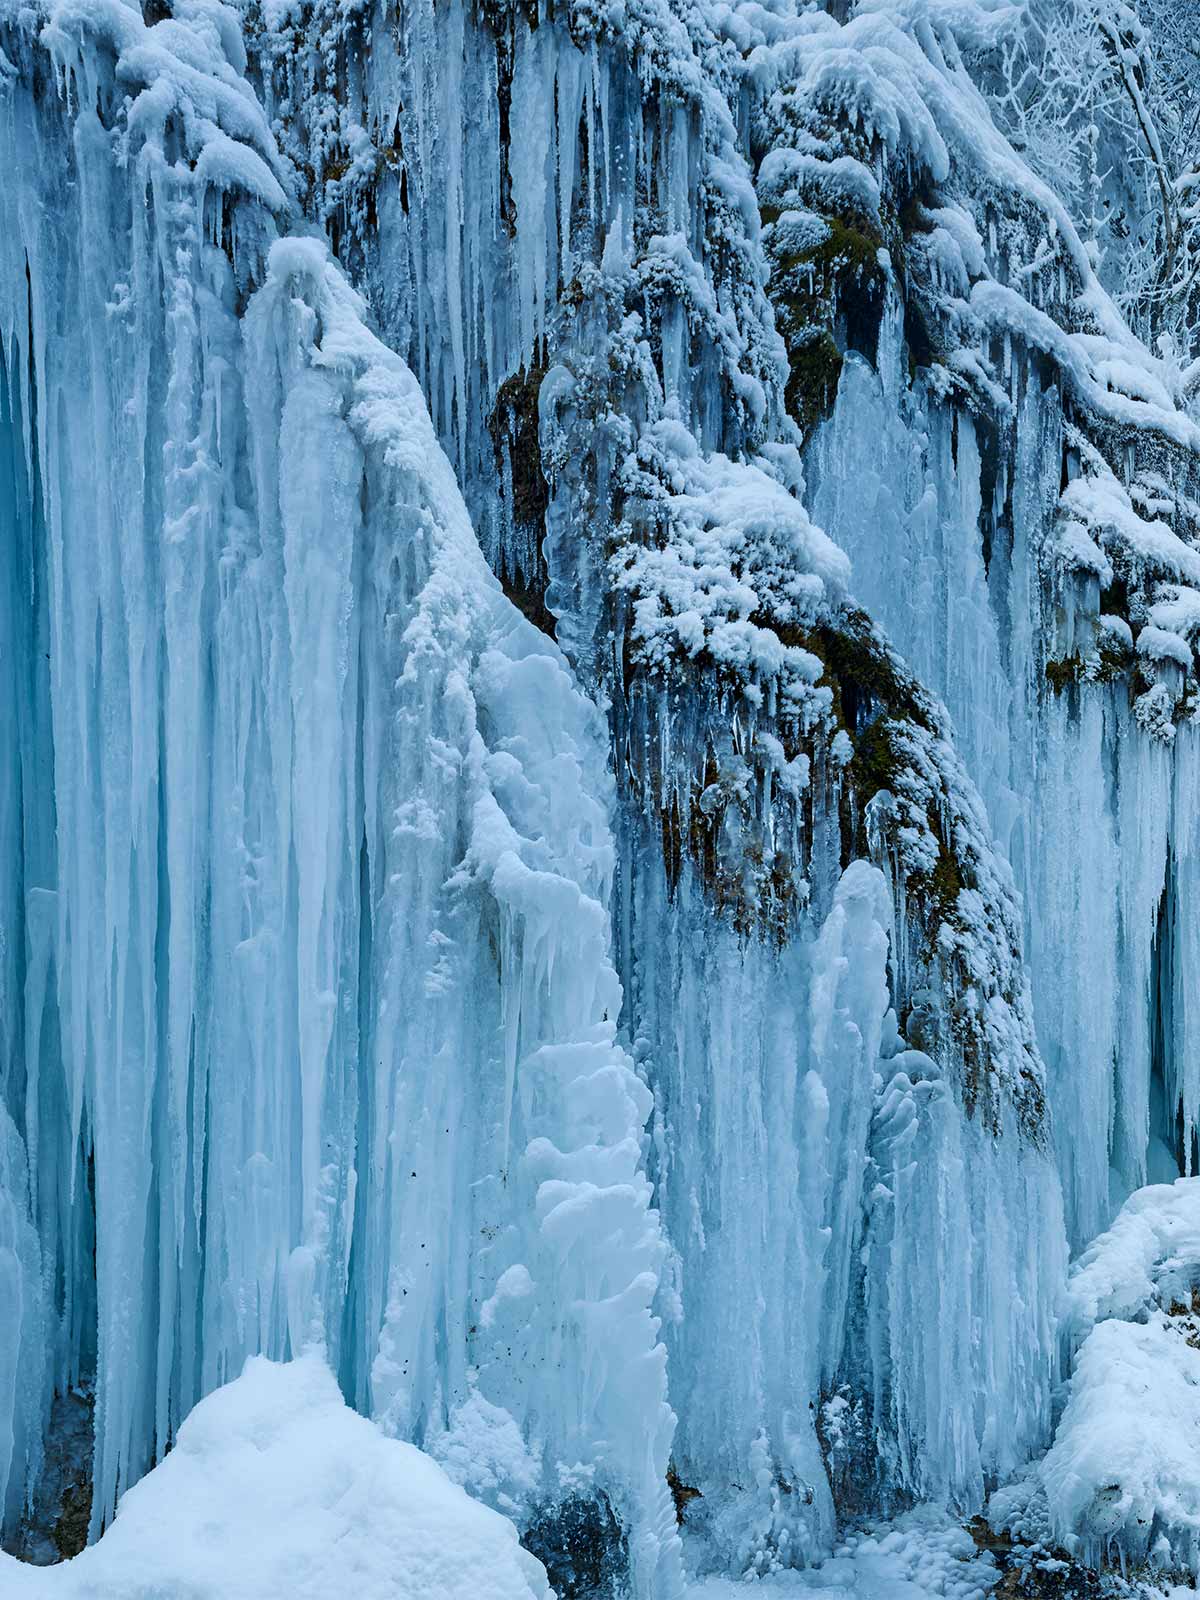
(559, 225)
(317, 994)
(730, 322)
(950, 542)
(771, 1060)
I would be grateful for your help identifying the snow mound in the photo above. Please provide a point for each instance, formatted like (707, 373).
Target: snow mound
(276, 1487)
(1149, 1256)
(1121, 1479)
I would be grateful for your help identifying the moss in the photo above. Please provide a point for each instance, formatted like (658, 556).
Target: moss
(513, 426)
(836, 282)
(688, 810)
(1113, 660)
(514, 423)
(1061, 674)
(862, 672)
(501, 14)
(883, 709)
(681, 1493)
(850, 249)
(814, 368)
(809, 288)
(874, 764)
(70, 1532)
(702, 825)
(946, 880)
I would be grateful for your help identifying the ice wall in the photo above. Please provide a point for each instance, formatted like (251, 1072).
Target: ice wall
(316, 849)
(954, 531)
(554, 215)
(305, 842)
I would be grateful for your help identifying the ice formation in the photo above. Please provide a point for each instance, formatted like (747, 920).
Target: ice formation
(317, 1007)
(923, 1556)
(602, 790)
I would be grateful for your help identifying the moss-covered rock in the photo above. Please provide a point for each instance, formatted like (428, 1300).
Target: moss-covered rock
(514, 430)
(582, 1546)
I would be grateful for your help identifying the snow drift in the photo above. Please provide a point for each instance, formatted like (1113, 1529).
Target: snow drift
(275, 1487)
(1121, 1477)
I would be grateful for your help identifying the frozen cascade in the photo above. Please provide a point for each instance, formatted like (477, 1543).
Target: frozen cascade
(663, 349)
(1019, 518)
(1098, 820)
(383, 968)
(558, 226)
(315, 1001)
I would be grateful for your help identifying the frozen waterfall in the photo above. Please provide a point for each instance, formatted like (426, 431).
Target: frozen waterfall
(600, 783)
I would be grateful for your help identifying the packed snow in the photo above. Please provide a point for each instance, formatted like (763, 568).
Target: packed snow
(1120, 1479)
(276, 1487)
(922, 1556)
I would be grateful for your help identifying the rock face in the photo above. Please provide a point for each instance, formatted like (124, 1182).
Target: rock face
(601, 798)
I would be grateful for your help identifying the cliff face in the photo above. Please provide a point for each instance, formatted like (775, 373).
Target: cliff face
(601, 821)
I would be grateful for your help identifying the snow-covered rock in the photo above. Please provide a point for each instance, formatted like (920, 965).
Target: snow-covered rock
(1121, 1478)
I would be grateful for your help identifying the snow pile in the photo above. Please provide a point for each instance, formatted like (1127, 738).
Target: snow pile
(1150, 1256)
(1121, 1476)
(275, 1487)
(1121, 1480)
